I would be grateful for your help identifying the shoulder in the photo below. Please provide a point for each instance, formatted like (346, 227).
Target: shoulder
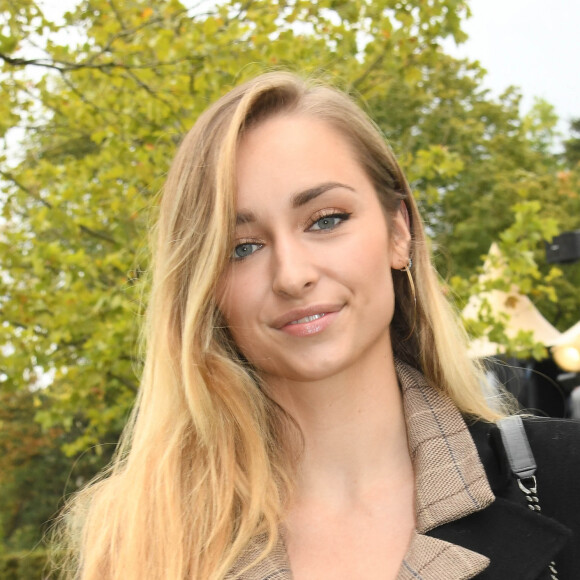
(554, 435)
(555, 444)
(553, 439)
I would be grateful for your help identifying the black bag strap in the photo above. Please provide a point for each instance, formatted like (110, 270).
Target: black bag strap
(522, 464)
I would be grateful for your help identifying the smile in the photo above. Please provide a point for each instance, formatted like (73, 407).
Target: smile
(306, 322)
(308, 319)
(315, 314)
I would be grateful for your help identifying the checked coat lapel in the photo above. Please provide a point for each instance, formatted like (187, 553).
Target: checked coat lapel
(450, 481)
(462, 530)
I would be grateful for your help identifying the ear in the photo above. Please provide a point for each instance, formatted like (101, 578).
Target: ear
(400, 238)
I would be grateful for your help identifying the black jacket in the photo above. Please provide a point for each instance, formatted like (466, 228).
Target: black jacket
(522, 543)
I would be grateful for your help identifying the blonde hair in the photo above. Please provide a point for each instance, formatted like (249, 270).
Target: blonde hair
(203, 467)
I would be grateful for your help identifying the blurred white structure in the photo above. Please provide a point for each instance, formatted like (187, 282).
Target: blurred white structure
(523, 315)
(566, 350)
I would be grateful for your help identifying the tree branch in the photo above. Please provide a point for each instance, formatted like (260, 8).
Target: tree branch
(67, 66)
(63, 66)
(153, 94)
(82, 97)
(117, 15)
(124, 381)
(374, 64)
(25, 189)
(96, 234)
(21, 325)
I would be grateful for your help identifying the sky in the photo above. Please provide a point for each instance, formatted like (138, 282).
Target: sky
(533, 44)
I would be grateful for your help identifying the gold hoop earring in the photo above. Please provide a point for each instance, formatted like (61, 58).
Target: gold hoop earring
(407, 269)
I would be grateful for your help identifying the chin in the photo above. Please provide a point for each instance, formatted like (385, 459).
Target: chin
(304, 370)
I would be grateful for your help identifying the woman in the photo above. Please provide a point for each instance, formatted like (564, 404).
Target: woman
(306, 390)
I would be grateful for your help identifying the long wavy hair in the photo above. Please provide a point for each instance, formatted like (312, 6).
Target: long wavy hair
(203, 466)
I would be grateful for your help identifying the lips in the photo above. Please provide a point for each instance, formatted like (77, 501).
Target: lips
(305, 315)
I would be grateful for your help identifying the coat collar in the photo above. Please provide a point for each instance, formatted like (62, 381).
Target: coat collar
(275, 566)
(453, 498)
(450, 481)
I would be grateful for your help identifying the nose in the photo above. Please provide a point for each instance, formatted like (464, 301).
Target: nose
(294, 270)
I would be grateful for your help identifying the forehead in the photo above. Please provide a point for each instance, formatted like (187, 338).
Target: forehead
(293, 129)
(293, 152)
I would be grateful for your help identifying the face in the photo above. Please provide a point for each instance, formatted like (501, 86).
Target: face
(308, 291)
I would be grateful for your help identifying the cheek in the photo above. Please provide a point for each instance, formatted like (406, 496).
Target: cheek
(238, 302)
(371, 255)
(227, 293)
(223, 294)
(232, 312)
(371, 271)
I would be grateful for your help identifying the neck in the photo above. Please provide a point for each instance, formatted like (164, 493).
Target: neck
(354, 432)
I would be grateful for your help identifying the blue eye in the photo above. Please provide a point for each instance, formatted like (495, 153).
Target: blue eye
(329, 222)
(242, 251)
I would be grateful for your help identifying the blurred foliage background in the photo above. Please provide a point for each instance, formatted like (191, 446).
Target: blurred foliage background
(91, 112)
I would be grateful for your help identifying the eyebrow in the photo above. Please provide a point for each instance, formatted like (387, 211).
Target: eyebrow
(298, 200)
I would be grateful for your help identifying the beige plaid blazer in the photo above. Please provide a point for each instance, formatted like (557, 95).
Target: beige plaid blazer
(450, 484)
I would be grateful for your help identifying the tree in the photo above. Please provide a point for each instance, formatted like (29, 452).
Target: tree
(35, 474)
(572, 145)
(103, 103)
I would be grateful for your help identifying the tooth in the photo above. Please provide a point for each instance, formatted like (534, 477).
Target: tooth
(307, 319)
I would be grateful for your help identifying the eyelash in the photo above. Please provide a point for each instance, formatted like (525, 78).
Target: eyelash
(235, 258)
(324, 214)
